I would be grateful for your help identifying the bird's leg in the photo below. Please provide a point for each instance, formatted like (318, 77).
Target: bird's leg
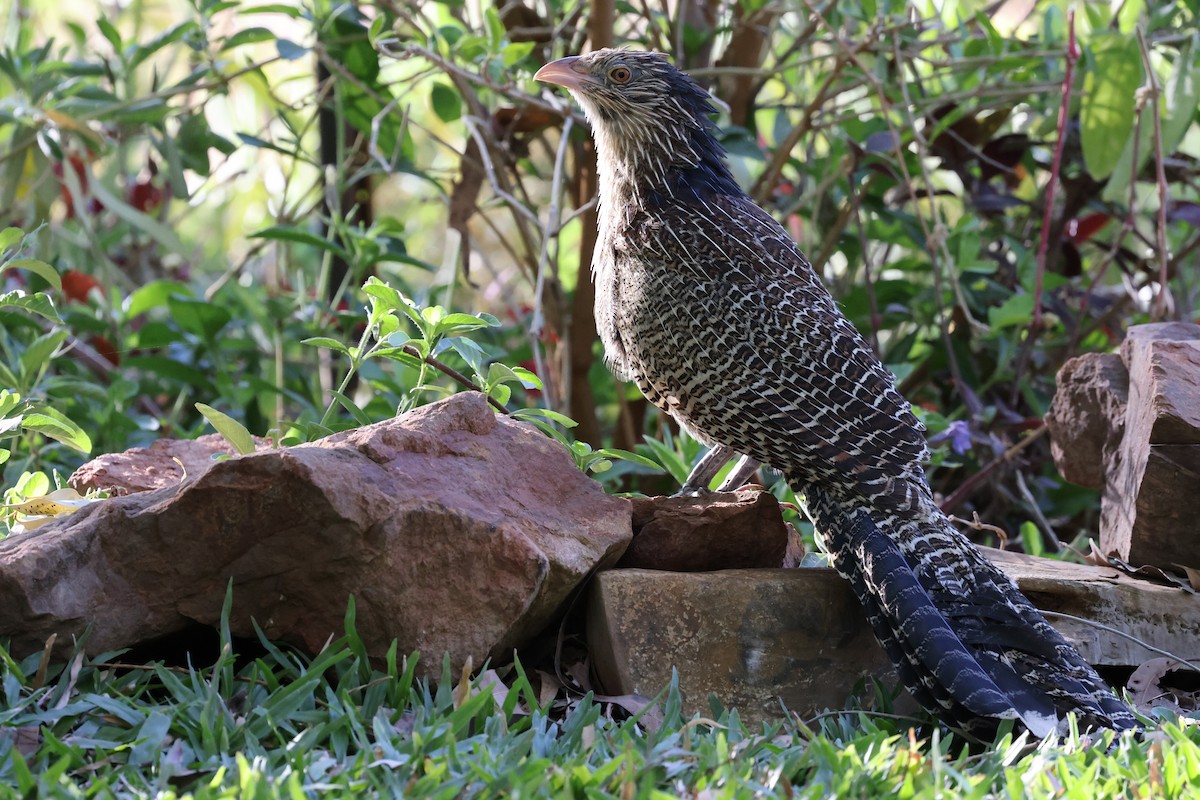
(709, 465)
(741, 472)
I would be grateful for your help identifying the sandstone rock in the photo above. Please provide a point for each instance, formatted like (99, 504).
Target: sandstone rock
(1152, 493)
(752, 637)
(155, 467)
(755, 637)
(1087, 417)
(716, 531)
(455, 530)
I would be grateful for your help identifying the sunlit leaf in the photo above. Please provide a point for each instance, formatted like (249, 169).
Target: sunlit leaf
(234, 432)
(37, 303)
(40, 268)
(55, 425)
(1113, 73)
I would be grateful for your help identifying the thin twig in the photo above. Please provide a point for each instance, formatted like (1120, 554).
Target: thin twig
(549, 234)
(1038, 517)
(1064, 120)
(1122, 634)
(455, 374)
(969, 485)
(490, 168)
(975, 523)
(1160, 179)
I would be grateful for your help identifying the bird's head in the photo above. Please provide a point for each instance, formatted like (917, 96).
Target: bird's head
(650, 120)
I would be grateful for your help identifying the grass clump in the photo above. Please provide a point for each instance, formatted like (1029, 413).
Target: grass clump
(285, 725)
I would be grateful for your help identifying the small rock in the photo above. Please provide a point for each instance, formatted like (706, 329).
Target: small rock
(143, 469)
(457, 531)
(1087, 417)
(740, 529)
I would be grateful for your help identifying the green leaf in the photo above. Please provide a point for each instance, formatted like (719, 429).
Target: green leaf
(255, 141)
(38, 353)
(1031, 537)
(359, 415)
(445, 102)
(391, 300)
(1016, 310)
(1177, 107)
(470, 352)
(668, 458)
(8, 401)
(516, 52)
(553, 416)
(110, 33)
(247, 36)
(501, 373)
(625, 455)
(500, 393)
(139, 220)
(234, 432)
(1113, 75)
(152, 295)
(55, 425)
(9, 237)
(199, 317)
(272, 8)
(325, 341)
(398, 354)
(454, 324)
(37, 303)
(168, 369)
(40, 268)
(528, 379)
(290, 233)
(143, 51)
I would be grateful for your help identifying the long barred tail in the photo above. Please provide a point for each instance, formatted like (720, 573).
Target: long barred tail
(968, 645)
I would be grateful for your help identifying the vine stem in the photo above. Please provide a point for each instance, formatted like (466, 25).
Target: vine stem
(1055, 169)
(446, 369)
(1160, 179)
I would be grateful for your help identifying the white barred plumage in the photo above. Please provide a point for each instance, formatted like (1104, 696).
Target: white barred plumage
(706, 303)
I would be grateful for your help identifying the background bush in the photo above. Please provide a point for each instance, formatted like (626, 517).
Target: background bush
(988, 188)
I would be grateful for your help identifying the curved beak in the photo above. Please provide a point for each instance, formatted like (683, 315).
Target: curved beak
(567, 72)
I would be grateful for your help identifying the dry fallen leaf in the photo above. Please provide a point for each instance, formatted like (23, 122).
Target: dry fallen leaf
(1147, 572)
(37, 511)
(1193, 576)
(1148, 688)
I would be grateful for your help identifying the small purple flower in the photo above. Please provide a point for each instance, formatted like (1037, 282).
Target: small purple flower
(959, 435)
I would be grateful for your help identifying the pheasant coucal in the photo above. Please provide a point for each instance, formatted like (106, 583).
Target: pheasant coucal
(706, 303)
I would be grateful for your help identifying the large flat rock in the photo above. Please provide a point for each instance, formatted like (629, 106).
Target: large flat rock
(756, 637)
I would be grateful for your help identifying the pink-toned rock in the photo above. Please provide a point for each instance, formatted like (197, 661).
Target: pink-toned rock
(164, 463)
(731, 530)
(455, 530)
(1087, 417)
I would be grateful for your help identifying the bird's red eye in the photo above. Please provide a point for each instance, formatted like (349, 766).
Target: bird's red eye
(620, 74)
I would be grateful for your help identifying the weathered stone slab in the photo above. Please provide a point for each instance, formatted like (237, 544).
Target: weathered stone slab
(1162, 616)
(1152, 492)
(752, 637)
(757, 637)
